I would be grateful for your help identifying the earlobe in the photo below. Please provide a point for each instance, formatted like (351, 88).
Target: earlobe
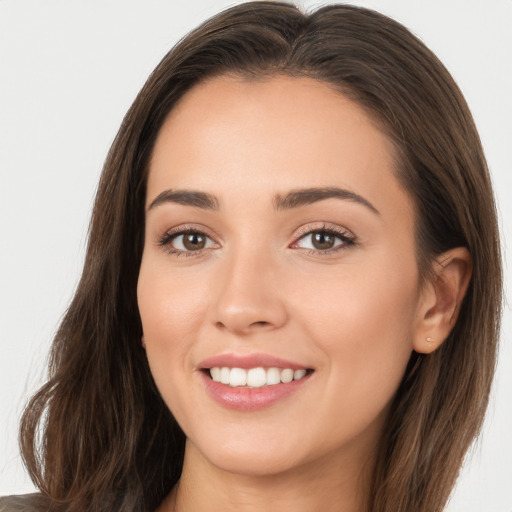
(441, 299)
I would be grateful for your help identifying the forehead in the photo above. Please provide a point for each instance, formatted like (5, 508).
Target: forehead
(267, 136)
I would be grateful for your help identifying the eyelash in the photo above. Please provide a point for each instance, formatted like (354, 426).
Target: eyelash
(347, 238)
(167, 238)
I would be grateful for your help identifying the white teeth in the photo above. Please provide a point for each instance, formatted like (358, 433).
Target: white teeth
(255, 377)
(273, 376)
(286, 375)
(298, 374)
(237, 377)
(215, 373)
(224, 375)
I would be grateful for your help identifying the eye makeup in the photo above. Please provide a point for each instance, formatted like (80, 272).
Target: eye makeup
(325, 239)
(186, 240)
(190, 240)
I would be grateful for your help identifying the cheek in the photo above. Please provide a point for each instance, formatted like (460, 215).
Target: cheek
(363, 325)
(355, 300)
(170, 304)
(172, 310)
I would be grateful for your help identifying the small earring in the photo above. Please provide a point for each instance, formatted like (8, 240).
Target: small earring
(429, 339)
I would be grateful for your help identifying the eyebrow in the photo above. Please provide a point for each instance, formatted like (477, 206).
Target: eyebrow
(186, 197)
(293, 199)
(302, 197)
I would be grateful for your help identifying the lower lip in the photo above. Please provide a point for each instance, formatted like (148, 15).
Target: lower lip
(250, 399)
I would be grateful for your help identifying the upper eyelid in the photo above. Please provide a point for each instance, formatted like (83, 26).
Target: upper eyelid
(346, 236)
(164, 240)
(325, 226)
(189, 228)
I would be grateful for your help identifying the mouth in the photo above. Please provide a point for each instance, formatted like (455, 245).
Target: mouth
(257, 377)
(250, 382)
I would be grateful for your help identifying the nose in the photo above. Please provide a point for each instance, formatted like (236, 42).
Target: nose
(248, 295)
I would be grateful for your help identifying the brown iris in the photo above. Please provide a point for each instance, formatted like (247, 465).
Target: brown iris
(194, 241)
(322, 240)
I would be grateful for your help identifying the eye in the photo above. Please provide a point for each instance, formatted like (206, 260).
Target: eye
(325, 240)
(186, 241)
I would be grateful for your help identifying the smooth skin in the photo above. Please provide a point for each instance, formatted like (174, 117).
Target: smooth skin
(332, 284)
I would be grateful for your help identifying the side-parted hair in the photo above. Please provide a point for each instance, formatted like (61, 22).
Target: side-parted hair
(98, 436)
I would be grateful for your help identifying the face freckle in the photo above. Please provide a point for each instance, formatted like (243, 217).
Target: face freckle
(282, 232)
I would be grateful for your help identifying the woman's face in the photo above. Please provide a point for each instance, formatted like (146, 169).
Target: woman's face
(279, 245)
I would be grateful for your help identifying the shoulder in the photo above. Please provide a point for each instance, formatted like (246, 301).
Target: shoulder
(24, 503)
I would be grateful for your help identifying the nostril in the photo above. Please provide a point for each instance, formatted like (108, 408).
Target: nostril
(262, 323)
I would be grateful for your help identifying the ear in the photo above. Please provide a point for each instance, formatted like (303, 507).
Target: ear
(441, 299)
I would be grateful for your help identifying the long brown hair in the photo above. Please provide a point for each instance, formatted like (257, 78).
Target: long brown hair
(98, 436)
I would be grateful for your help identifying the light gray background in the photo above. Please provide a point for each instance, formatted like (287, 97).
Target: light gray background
(69, 69)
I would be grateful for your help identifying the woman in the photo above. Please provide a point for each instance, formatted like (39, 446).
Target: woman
(292, 287)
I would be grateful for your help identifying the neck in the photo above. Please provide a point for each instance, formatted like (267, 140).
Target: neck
(327, 484)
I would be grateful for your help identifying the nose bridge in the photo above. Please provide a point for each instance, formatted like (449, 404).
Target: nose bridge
(248, 296)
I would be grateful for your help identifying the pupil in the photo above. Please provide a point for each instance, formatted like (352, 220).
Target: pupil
(194, 241)
(323, 240)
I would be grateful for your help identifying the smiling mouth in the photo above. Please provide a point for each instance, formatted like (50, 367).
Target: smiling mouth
(255, 377)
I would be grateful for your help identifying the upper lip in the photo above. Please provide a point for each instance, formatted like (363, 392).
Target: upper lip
(248, 361)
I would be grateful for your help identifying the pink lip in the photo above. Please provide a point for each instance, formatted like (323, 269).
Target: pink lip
(248, 361)
(244, 398)
(250, 399)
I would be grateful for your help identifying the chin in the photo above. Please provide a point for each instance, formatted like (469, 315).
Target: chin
(249, 456)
